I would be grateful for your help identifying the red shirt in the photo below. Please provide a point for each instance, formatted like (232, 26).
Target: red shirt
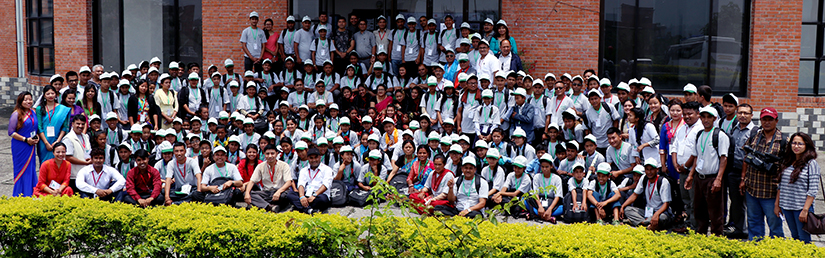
(142, 183)
(49, 172)
(247, 169)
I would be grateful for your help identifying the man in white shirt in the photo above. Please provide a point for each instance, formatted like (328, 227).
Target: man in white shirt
(220, 169)
(313, 182)
(78, 146)
(99, 180)
(487, 62)
(682, 144)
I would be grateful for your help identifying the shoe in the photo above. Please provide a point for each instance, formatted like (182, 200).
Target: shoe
(646, 223)
(616, 223)
(680, 230)
(552, 220)
(600, 222)
(310, 211)
(729, 230)
(274, 208)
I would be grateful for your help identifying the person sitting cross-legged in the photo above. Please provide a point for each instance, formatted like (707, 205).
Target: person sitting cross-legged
(275, 180)
(99, 180)
(656, 213)
(143, 183)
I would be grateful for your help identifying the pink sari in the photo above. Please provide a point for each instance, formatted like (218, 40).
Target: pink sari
(383, 104)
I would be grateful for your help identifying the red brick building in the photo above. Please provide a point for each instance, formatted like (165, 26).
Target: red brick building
(552, 36)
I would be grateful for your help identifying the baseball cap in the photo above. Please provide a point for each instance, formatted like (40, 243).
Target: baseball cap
(768, 111)
(520, 161)
(709, 110)
(603, 168)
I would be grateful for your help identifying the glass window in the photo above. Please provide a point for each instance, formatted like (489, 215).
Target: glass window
(810, 9)
(806, 77)
(808, 41)
(309, 8)
(40, 38)
(673, 43)
(811, 50)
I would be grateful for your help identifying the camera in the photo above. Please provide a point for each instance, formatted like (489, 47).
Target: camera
(761, 161)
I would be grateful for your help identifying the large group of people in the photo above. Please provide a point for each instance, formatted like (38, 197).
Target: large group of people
(445, 115)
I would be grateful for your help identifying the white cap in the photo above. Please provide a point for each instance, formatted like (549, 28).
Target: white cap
(502, 74)
(465, 41)
(388, 120)
(320, 102)
(488, 20)
(366, 119)
(136, 128)
(212, 120)
(177, 120)
(378, 65)
(448, 121)
(249, 73)
(321, 141)
(433, 136)
(431, 21)
(519, 132)
(308, 62)
(625, 87)
(234, 138)
(437, 65)
(567, 75)
(468, 161)
(644, 81)
(375, 154)
(648, 89)
(154, 60)
(228, 62)
(248, 120)
(253, 14)
(593, 77)
(165, 147)
(93, 117)
(520, 161)
(174, 65)
(652, 162)
(306, 19)
(448, 84)
(605, 81)
(465, 25)
(590, 137)
(709, 110)
(123, 82)
(411, 19)
(487, 93)
(216, 74)
(414, 124)
(462, 77)
(689, 88)
(304, 107)
(85, 69)
(399, 17)
(190, 136)
(346, 148)
(520, 92)
(406, 132)
(338, 140)
(603, 168)
(595, 91)
(572, 144)
(481, 144)
(501, 22)
(301, 145)
(126, 72)
(132, 67)
(538, 81)
(549, 75)
(193, 76)
(546, 158)
(456, 148)
(270, 135)
(732, 97)
(578, 165)
(223, 115)
(577, 77)
(372, 137)
(290, 18)
(195, 118)
(484, 41)
(432, 81)
(554, 125)
(345, 121)
(111, 115)
(633, 81)
(105, 75)
(164, 76)
(493, 153)
(161, 132)
(639, 169)
(322, 27)
(446, 140)
(483, 76)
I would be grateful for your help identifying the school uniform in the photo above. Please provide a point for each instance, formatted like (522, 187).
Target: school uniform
(304, 39)
(184, 174)
(555, 107)
(709, 207)
(655, 198)
(601, 120)
(487, 119)
(622, 157)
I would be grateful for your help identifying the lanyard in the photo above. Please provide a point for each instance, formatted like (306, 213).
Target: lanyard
(182, 172)
(98, 177)
(433, 99)
(652, 188)
(603, 190)
(82, 141)
(50, 113)
(381, 35)
(558, 103)
(617, 154)
(411, 40)
(518, 182)
(197, 95)
(289, 36)
(467, 188)
(731, 124)
(311, 176)
(221, 173)
(254, 36)
(124, 169)
(705, 142)
(430, 42)
(546, 183)
(105, 97)
(449, 34)
(272, 174)
(214, 96)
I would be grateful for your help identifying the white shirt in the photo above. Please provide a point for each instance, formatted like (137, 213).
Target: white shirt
(520, 184)
(683, 142)
(89, 181)
(488, 64)
(228, 170)
(505, 61)
(555, 107)
(313, 179)
(466, 195)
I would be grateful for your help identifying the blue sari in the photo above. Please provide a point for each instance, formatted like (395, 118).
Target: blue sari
(25, 166)
(57, 118)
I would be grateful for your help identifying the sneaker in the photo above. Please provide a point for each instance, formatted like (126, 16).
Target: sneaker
(310, 211)
(616, 223)
(729, 230)
(600, 222)
(274, 208)
(552, 220)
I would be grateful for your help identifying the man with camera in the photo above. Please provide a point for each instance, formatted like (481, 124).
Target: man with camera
(759, 176)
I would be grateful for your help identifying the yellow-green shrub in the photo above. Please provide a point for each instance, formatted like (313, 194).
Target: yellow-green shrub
(53, 227)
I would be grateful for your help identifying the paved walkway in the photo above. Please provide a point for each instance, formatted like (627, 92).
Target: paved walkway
(6, 185)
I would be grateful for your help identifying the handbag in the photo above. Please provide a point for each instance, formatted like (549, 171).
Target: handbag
(816, 223)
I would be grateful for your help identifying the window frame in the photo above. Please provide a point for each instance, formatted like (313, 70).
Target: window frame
(819, 56)
(35, 49)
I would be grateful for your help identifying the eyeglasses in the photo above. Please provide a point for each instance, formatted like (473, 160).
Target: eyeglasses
(797, 144)
(559, 88)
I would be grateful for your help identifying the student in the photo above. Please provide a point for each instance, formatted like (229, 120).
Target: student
(592, 158)
(390, 137)
(503, 99)
(466, 194)
(599, 117)
(554, 139)
(321, 95)
(515, 185)
(143, 183)
(487, 119)
(322, 47)
(303, 41)
(522, 116)
(249, 136)
(708, 171)
(643, 135)
(411, 45)
(165, 150)
(571, 129)
(493, 174)
(606, 88)
(96, 180)
(620, 154)
(167, 102)
(521, 146)
(565, 166)
(216, 96)
(221, 168)
(273, 193)
(191, 98)
(729, 104)
(547, 193)
(656, 192)
(604, 195)
(372, 172)
(313, 182)
(430, 42)
(184, 173)
(684, 140)
(348, 169)
(233, 150)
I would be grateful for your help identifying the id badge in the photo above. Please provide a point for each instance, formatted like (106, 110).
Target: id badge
(255, 46)
(398, 48)
(429, 52)
(648, 212)
(700, 163)
(186, 189)
(545, 203)
(448, 46)
(50, 131)
(410, 50)
(54, 185)
(381, 47)
(323, 52)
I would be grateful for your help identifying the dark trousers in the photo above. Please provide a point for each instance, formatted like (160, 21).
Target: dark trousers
(248, 65)
(537, 136)
(320, 203)
(128, 199)
(453, 211)
(114, 197)
(736, 210)
(261, 199)
(708, 207)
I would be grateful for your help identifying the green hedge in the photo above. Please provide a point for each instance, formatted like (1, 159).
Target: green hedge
(60, 226)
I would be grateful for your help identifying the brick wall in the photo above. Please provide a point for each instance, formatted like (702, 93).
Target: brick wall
(8, 36)
(555, 36)
(223, 22)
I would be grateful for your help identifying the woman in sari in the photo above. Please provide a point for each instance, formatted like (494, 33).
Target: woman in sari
(167, 101)
(402, 164)
(53, 123)
(57, 171)
(23, 132)
(420, 169)
(382, 100)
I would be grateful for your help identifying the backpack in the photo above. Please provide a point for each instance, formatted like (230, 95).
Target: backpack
(539, 115)
(605, 106)
(571, 216)
(317, 43)
(358, 197)
(222, 197)
(715, 142)
(399, 181)
(417, 36)
(338, 193)
(235, 76)
(118, 133)
(476, 180)
(676, 205)
(427, 97)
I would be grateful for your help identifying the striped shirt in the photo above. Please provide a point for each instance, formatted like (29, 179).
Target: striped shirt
(793, 196)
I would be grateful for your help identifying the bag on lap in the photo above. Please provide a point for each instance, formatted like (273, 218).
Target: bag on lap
(338, 193)
(571, 216)
(222, 197)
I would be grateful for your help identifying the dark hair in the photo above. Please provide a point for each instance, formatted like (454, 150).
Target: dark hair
(141, 153)
(506, 31)
(746, 105)
(65, 95)
(97, 152)
(641, 122)
(439, 156)
(693, 105)
(674, 102)
(425, 147)
(286, 140)
(560, 148)
(220, 126)
(269, 20)
(255, 147)
(80, 117)
(270, 147)
(19, 108)
(705, 91)
(178, 144)
(613, 130)
(541, 146)
(589, 71)
(337, 20)
(71, 73)
(790, 159)
(46, 88)
(58, 144)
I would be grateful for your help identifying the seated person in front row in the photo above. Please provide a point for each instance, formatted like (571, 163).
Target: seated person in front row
(547, 192)
(54, 174)
(275, 180)
(467, 195)
(182, 174)
(99, 180)
(656, 192)
(435, 189)
(220, 169)
(313, 182)
(604, 195)
(515, 185)
(143, 184)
